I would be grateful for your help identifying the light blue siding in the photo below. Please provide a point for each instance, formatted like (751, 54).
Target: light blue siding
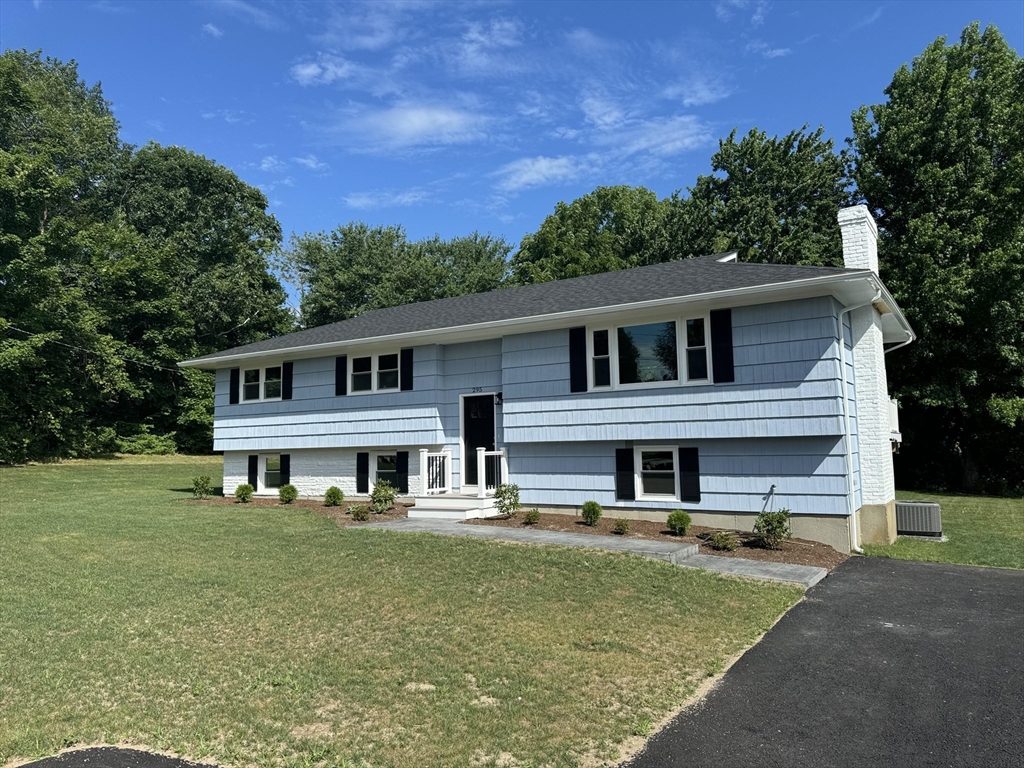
(786, 360)
(809, 474)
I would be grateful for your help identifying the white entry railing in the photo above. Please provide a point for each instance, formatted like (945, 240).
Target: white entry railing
(491, 471)
(435, 471)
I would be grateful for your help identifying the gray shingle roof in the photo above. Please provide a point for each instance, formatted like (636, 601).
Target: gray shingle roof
(676, 279)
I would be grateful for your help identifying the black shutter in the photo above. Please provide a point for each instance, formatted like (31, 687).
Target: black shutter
(233, 386)
(341, 375)
(578, 359)
(286, 381)
(286, 468)
(625, 482)
(402, 465)
(254, 470)
(362, 473)
(405, 372)
(721, 346)
(689, 475)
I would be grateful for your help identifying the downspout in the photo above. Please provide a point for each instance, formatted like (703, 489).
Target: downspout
(846, 421)
(898, 346)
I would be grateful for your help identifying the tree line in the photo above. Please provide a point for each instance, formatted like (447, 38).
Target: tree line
(114, 259)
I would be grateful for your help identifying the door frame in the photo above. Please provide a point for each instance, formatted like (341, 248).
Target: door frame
(463, 487)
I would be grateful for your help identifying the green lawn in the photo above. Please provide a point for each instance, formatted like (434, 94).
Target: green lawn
(982, 530)
(269, 636)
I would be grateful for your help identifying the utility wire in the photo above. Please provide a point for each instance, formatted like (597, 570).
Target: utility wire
(93, 351)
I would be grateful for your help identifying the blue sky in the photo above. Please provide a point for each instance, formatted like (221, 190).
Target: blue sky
(453, 117)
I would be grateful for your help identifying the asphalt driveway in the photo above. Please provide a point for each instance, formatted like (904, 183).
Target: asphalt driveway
(884, 663)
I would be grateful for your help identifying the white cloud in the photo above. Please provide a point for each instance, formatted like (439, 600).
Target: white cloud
(564, 132)
(601, 112)
(412, 125)
(660, 136)
(586, 43)
(725, 9)
(868, 20)
(484, 48)
(312, 162)
(251, 13)
(763, 49)
(385, 198)
(541, 171)
(697, 90)
(231, 116)
(370, 26)
(325, 70)
(271, 164)
(156, 125)
(212, 30)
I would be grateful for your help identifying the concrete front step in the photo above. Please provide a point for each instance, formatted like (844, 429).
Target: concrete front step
(449, 506)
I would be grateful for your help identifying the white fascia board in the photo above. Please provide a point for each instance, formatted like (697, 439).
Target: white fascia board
(794, 289)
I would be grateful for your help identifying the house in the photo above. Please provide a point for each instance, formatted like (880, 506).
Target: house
(706, 384)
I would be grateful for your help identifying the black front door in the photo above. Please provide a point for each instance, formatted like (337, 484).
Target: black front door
(477, 432)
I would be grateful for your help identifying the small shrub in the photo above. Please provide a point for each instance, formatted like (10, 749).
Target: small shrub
(772, 528)
(679, 522)
(591, 512)
(333, 497)
(621, 526)
(360, 513)
(722, 541)
(531, 517)
(202, 487)
(146, 444)
(244, 493)
(383, 496)
(287, 493)
(506, 499)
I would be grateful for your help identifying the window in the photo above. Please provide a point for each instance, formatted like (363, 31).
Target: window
(387, 371)
(272, 472)
(262, 384)
(696, 350)
(657, 472)
(386, 468)
(648, 355)
(376, 373)
(602, 360)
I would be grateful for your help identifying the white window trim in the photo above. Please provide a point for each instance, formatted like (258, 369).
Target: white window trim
(261, 486)
(263, 384)
(638, 473)
(682, 367)
(374, 370)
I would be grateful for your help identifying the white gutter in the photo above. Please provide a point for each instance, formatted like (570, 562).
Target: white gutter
(854, 532)
(525, 322)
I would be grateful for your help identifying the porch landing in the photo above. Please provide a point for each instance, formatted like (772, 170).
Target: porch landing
(452, 506)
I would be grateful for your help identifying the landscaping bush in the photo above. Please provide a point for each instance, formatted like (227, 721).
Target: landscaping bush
(621, 526)
(506, 499)
(591, 512)
(531, 517)
(244, 493)
(287, 493)
(333, 497)
(772, 528)
(360, 513)
(202, 487)
(722, 541)
(679, 522)
(383, 496)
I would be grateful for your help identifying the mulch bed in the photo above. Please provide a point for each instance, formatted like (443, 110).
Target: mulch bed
(338, 514)
(794, 551)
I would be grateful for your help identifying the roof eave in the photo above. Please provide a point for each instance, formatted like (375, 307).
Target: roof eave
(524, 324)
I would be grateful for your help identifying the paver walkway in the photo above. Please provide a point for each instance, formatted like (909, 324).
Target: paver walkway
(885, 663)
(684, 555)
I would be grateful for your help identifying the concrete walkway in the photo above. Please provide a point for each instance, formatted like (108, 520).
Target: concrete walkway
(684, 555)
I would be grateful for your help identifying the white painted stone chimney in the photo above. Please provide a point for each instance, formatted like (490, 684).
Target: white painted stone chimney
(877, 515)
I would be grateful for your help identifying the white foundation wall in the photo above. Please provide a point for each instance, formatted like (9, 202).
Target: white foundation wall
(315, 470)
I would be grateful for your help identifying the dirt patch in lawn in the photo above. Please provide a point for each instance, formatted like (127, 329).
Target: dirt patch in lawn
(795, 551)
(340, 514)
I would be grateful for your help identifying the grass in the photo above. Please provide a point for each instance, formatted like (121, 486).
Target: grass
(981, 530)
(269, 636)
